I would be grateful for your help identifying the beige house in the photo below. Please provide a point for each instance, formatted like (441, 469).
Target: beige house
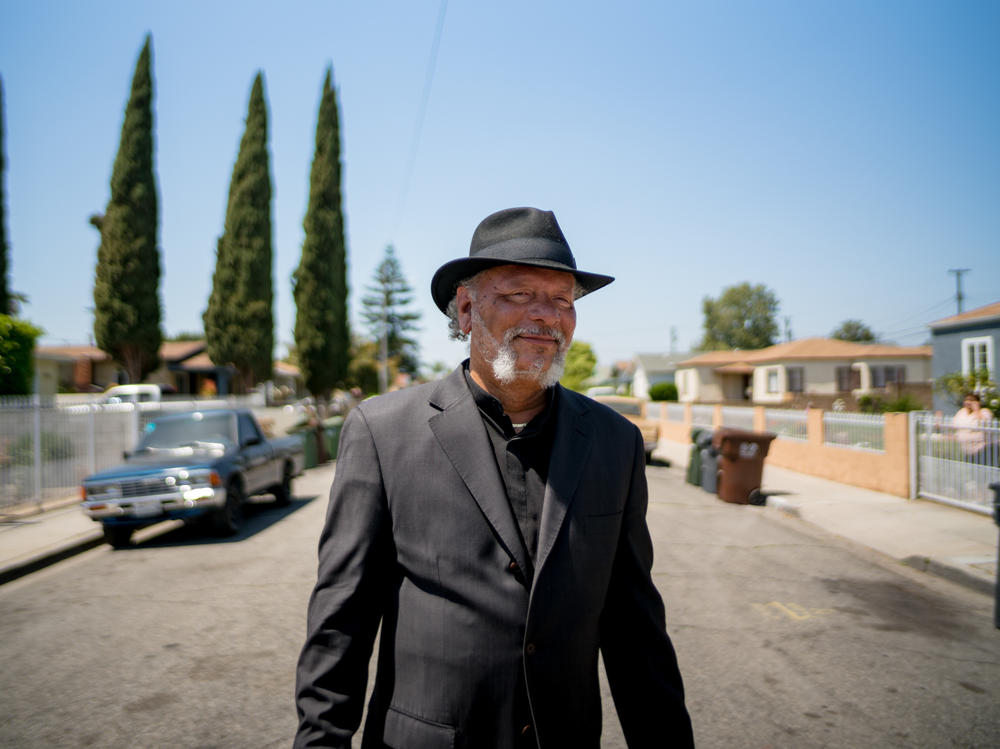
(820, 369)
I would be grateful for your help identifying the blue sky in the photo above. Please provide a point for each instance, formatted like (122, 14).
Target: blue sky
(843, 153)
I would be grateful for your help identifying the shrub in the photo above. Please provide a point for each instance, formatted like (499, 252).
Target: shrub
(54, 447)
(663, 391)
(905, 402)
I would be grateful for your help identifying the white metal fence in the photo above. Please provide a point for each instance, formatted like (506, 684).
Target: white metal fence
(787, 424)
(702, 416)
(857, 431)
(737, 417)
(955, 465)
(47, 449)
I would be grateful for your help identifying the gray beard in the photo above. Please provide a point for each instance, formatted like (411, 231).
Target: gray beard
(503, 359)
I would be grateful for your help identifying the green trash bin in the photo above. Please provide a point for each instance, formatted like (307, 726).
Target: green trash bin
(694, 459)
(308, 436)
(331, 435)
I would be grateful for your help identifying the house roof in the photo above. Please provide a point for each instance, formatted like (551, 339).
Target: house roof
(654, 363)
(71, 352)
(177, 351)
(808, 348)
(980, 314)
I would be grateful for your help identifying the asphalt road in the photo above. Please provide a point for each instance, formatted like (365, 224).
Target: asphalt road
(787, 636)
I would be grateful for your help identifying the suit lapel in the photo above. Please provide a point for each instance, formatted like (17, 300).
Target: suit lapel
(460, 432)
(570, 449)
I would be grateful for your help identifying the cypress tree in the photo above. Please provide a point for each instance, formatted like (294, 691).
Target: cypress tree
(126, 287)
(239, 322)
(6, 303)
(319, 284)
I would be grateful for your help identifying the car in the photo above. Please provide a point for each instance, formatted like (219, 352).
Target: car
(189, 466)
(634, 409)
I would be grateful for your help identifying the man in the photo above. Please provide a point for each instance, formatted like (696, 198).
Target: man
(494, 524)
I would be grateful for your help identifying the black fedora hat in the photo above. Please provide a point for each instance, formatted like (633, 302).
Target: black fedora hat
(515, 236)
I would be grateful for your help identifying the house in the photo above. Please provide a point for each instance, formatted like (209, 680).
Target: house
(966, 343)
(652, 369)
(819, 371)
(80, 369)
(185, 368)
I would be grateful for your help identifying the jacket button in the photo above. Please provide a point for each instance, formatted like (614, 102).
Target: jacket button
(530, 648)
(512, 567)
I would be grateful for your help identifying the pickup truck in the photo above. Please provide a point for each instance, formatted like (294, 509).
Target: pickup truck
(195, 465)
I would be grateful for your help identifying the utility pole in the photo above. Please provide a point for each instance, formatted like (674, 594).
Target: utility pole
(958, 285)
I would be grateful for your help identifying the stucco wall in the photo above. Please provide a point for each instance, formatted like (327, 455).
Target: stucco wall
(887, 471)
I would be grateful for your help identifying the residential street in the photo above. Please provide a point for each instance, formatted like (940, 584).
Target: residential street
(787, 636)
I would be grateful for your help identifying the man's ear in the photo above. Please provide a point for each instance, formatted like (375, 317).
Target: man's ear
(463, 303)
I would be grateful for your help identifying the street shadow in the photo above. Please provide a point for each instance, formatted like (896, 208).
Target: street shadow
(259, 513)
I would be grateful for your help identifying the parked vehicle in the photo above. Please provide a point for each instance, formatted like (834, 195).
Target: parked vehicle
(190, 466)
(634, 409)
(146, 396)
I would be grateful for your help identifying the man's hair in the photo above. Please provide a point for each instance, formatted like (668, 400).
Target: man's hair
(972, 396)
(471, 283)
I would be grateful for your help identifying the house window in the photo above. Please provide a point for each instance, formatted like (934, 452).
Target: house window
(977, 354)
(885, 376)
(848, 379)
(772, 380)
(796, 379)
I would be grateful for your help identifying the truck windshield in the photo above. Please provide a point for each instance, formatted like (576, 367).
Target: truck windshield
(198, 429)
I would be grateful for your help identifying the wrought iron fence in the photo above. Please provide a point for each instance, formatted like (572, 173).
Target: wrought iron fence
(47, 449)
(857, 431)
(956, 464)
(787, 424)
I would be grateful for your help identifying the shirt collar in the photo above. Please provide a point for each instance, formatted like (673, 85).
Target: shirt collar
(491, 409)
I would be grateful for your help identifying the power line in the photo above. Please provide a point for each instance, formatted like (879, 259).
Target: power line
(418, 125)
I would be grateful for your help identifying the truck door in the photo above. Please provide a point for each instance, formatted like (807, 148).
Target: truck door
(257, 455)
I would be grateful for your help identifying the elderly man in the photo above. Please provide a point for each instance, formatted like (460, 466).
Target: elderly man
(494, 525)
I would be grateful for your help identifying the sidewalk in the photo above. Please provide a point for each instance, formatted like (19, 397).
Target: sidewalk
(938, 539)
(946, 541)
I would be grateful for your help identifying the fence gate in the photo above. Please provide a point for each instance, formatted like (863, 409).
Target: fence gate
(952, 464)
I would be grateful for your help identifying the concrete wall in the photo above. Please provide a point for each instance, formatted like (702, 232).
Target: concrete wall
(887, 471)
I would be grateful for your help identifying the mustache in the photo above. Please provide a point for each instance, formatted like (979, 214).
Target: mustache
(535, 330)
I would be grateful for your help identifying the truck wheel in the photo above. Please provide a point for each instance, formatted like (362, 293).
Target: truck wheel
(119, 536)
(283, 492)
(226, 520)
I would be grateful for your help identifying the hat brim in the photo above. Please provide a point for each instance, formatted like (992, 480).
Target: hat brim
(448, 276)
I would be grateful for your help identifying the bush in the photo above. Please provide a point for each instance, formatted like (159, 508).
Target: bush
(906, 402)
(17, 355)
(54, 447)
(663, 391)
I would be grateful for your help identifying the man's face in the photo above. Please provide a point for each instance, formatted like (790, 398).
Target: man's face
(521, 323)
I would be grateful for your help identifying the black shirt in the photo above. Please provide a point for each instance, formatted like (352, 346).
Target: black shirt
(522, 457)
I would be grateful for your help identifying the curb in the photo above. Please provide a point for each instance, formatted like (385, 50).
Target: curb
(927, 565)
(49, 557)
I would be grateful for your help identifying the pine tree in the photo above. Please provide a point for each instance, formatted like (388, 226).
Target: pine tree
(387, 318)
(126, 287)
(6, 303)
(239, 322)
(319, 284)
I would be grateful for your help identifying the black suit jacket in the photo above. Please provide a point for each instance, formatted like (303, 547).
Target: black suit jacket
(421, 539)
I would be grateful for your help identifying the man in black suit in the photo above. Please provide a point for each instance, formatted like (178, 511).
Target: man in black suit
(493, 523)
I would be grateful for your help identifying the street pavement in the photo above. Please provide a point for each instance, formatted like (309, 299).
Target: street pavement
(946, 541)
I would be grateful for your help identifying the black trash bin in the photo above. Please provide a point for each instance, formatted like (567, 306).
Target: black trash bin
(996, 519)
(741, 464)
